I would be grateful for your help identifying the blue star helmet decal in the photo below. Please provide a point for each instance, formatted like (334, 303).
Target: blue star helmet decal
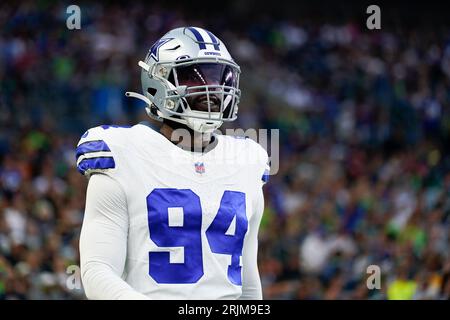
(154, 50)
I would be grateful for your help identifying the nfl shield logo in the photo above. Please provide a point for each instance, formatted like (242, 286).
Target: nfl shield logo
(199, 167)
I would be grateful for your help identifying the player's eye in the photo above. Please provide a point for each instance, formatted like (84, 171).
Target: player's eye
(202, 74)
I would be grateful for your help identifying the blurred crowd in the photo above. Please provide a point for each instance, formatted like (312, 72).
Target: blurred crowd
(364, 120)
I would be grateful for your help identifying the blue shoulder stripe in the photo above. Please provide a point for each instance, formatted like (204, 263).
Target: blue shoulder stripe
(92, 146)
(96, 163)
(265, 176)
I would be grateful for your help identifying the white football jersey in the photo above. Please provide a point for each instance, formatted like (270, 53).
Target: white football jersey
(189, 214)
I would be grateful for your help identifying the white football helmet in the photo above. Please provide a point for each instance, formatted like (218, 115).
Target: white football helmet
(189, 76)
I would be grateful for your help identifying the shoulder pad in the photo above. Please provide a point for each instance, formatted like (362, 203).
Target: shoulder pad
(93, 153)
(262, 157)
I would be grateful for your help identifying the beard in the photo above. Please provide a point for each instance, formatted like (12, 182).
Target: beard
(200, 103)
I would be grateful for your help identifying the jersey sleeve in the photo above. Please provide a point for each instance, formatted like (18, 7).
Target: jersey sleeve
(103, 241)
(251, 282)
(93, 153)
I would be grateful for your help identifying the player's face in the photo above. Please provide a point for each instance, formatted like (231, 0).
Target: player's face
(206, 74)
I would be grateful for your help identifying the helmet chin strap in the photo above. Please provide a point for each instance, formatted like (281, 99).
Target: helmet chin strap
(198, 125)
(201, 125)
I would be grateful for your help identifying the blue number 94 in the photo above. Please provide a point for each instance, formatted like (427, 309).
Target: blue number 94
(221, 239)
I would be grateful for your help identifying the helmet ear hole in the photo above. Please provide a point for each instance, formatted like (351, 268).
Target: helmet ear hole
(152, 91)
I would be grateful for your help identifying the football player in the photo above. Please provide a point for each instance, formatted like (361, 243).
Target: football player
(168, 217)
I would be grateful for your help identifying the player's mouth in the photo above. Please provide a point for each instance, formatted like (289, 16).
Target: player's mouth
(201, 103)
